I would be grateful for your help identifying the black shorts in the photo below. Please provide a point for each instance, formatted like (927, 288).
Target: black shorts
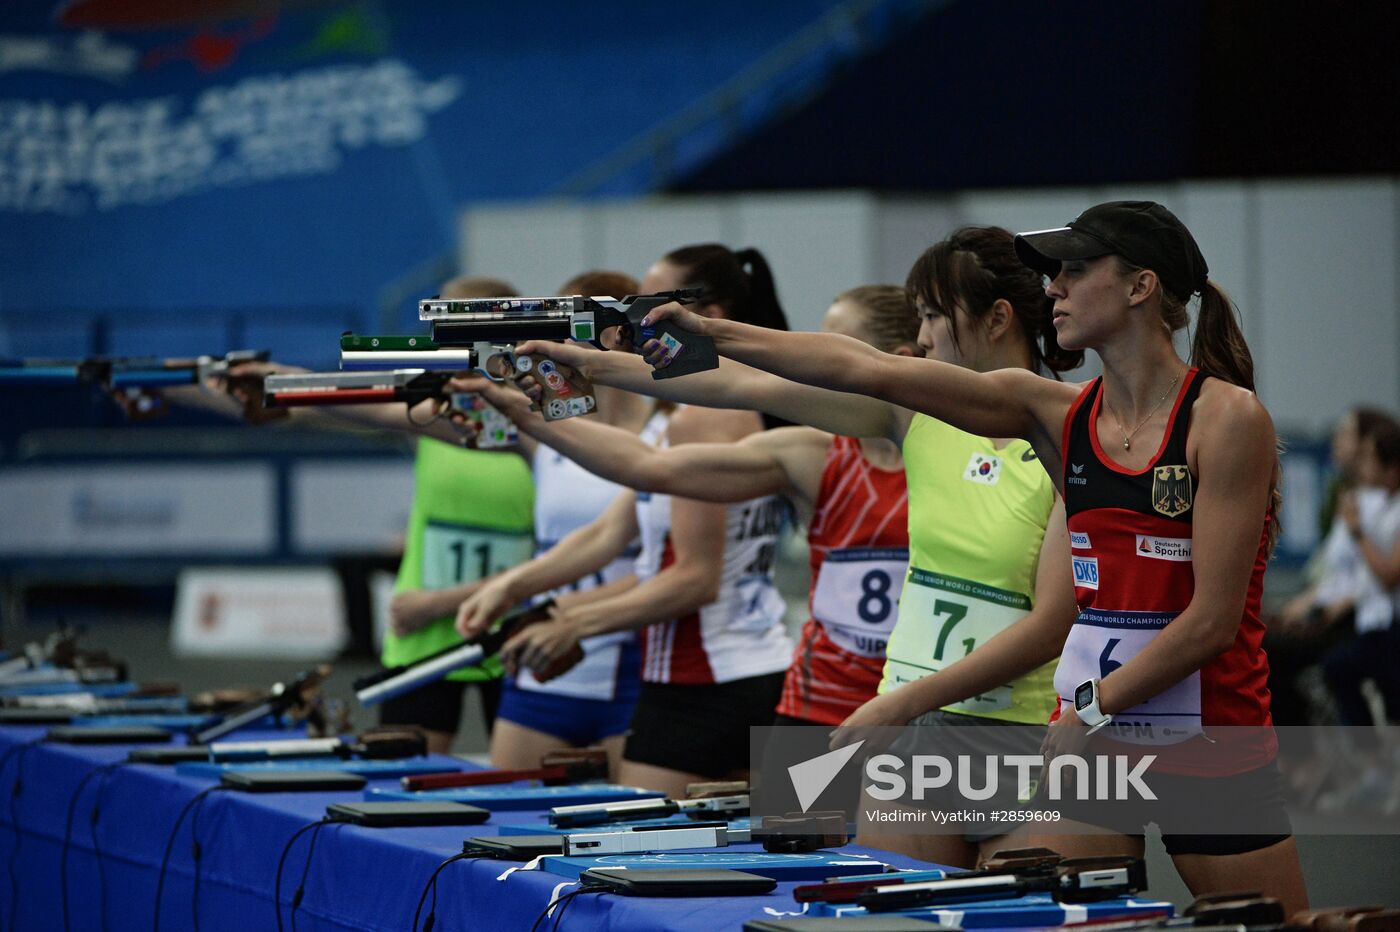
(701, 729)
(1254, 799)
(975, 736)
(438, 706)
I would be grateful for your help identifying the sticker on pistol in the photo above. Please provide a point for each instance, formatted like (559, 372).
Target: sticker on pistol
(554, 379)
(670, 344)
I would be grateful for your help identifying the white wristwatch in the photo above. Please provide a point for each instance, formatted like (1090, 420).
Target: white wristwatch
(1086, 706)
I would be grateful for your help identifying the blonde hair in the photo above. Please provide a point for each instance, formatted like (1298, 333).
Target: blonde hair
(466, 287)
(890, 319)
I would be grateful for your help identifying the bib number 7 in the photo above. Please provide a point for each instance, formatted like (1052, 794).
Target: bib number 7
(956, 612)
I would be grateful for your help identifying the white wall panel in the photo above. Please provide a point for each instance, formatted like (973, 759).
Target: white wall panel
(1327, 288)
(818, 246)
(349, 507)
(1311, 264)
(630, 235)
(905, 228)
(138, 510)
(1022, 209)
(536, 247)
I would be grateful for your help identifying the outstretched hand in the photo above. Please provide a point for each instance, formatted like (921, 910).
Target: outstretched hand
(574, 355)
(655, 352)
(244, 382)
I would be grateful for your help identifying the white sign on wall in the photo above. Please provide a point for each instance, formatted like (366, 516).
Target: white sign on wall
(278, 613)
(138, 510)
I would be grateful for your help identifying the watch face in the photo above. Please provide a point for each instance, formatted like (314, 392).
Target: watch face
(1084, 695)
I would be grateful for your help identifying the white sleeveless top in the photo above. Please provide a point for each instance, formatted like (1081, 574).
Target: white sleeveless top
(567, 497)
(741, 633)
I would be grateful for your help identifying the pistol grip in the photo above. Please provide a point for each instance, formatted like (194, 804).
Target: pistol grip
(690, 352)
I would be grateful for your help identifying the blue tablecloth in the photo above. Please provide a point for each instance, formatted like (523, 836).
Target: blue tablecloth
(360, 878)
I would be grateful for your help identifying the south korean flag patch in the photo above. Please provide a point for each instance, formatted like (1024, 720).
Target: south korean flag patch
(983, 468)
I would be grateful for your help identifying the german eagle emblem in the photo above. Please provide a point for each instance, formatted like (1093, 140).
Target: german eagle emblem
(1171, 490)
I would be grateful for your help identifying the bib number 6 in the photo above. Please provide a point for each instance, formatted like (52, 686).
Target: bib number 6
(1107, 665)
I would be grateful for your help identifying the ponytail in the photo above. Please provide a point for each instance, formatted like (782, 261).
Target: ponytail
(1218, 349)
(740, 282)
(764, 308)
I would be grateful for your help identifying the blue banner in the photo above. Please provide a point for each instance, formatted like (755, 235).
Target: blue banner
(170, 167)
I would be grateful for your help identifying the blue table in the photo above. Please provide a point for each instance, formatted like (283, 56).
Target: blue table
(359, 879)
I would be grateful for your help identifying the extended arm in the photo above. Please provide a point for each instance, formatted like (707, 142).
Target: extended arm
(581, 552)
(786, 461)
(690, 581)
(1004, 403)
(733, 386)
(245, 384)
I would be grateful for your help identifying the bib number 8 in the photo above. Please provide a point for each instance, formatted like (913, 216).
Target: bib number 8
(875, 602)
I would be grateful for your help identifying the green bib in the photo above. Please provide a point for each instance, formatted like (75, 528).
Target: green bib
(977, 518)
(473, 516)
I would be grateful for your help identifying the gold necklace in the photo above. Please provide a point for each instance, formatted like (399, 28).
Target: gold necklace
(1128, 435)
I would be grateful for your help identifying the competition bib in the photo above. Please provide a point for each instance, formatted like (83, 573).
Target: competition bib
(855, 598)
(454, 554)
(943, 619)
(1101, 642)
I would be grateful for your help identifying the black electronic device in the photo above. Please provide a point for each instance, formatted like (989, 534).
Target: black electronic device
(1074, 880)
(36, 716)
(291, 781)
(803, 832)
(702, 881)
(846, 924)
(168, 756)
(412, 812)
(514, 847)
(117, 734)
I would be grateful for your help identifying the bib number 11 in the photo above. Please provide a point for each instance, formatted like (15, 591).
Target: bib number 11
(481, 552)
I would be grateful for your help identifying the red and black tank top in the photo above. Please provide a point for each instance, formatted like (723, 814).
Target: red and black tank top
(1131, 540)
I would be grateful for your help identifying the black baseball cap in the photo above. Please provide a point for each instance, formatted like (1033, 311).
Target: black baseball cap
(1142, 232)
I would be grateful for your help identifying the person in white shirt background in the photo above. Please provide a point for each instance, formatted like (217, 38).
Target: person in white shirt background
(1372, 518)
(1320, 616)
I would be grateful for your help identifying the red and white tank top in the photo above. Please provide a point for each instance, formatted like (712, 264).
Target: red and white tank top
(1131, 535)
(741, 633)
(859, 540)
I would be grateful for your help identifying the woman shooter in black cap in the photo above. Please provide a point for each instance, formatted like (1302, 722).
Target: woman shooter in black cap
(1170, 476)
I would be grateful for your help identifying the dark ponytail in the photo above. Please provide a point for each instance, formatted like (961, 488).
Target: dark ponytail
(738, 281)
(973, 269)
(1219, 350)
(1218, 347)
